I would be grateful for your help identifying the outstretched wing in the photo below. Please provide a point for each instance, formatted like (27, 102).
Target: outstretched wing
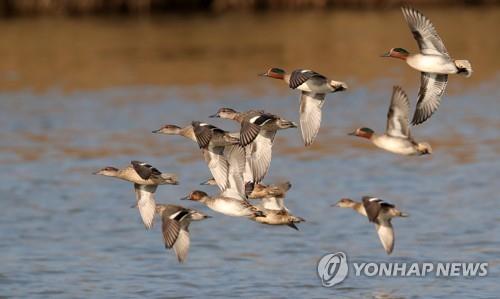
(170, 229)
(310, 115)
(204, 133)
(181, 245)
(373, 206)
(432, 87)
(144, 170)
(146, 203)
(397, 117)
(386, 235)
(261, 155)
(217, 164)
(235, 157)
(424, 32)
(251, 128)
(298, 77)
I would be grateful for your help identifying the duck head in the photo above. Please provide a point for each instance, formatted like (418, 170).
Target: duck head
(285, 124)
(107, 171)
(169, 130)
(275, 73)
(345, 203)
(195, 215)
(226, 113)
(397, 53)
(363, 132)
(196, 195)
(424, 148)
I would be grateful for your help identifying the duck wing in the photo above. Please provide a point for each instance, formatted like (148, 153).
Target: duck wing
(204, 133)
(217, 164)
(397, 117)
(236, 159)
(424, 32)
(144, 170)
(251, 128)
(432, 87)
(262, 154)
(170, 228)
(181, 245)
(310, 115)
(146, 203)
(298, 77)
(386, 235)
(373, 206)
(248, 174)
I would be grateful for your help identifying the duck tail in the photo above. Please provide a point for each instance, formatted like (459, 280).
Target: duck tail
(170, 178)
(338, 86)
(464, 68)
(297, 219)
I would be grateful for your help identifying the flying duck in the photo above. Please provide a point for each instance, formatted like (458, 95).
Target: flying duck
(258, 129)
(224, 158)
(146, 179)
(397, 138)
(228, 203)
(175, 227)
(314, 88)
(272, 204)
(433, 61)
(378, 212)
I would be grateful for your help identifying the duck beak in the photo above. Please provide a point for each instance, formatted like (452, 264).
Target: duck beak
(95, 172)
(205, 182)
(185, 198)
(387, 54)
(336, 205)
(216, 115)
(156, 131)
(352, 133)
(262, 75)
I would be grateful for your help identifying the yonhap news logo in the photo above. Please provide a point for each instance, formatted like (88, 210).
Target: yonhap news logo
(333, 268)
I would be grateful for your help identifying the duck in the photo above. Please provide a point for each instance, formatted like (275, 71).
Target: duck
(397, 138)
(228, 203)
(220, 150)
(175, 227)
(258, 129)
(433, 61)
(258, 190)
(224, 155)
(146, 179)
(378, 212)
(314, 87)
(272, 204)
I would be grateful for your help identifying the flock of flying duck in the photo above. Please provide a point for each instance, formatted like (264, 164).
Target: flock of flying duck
(239, 161)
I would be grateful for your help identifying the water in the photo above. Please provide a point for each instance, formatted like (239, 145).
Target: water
(65, 233)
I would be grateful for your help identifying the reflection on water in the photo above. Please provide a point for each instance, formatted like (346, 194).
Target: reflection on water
(65, 233)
